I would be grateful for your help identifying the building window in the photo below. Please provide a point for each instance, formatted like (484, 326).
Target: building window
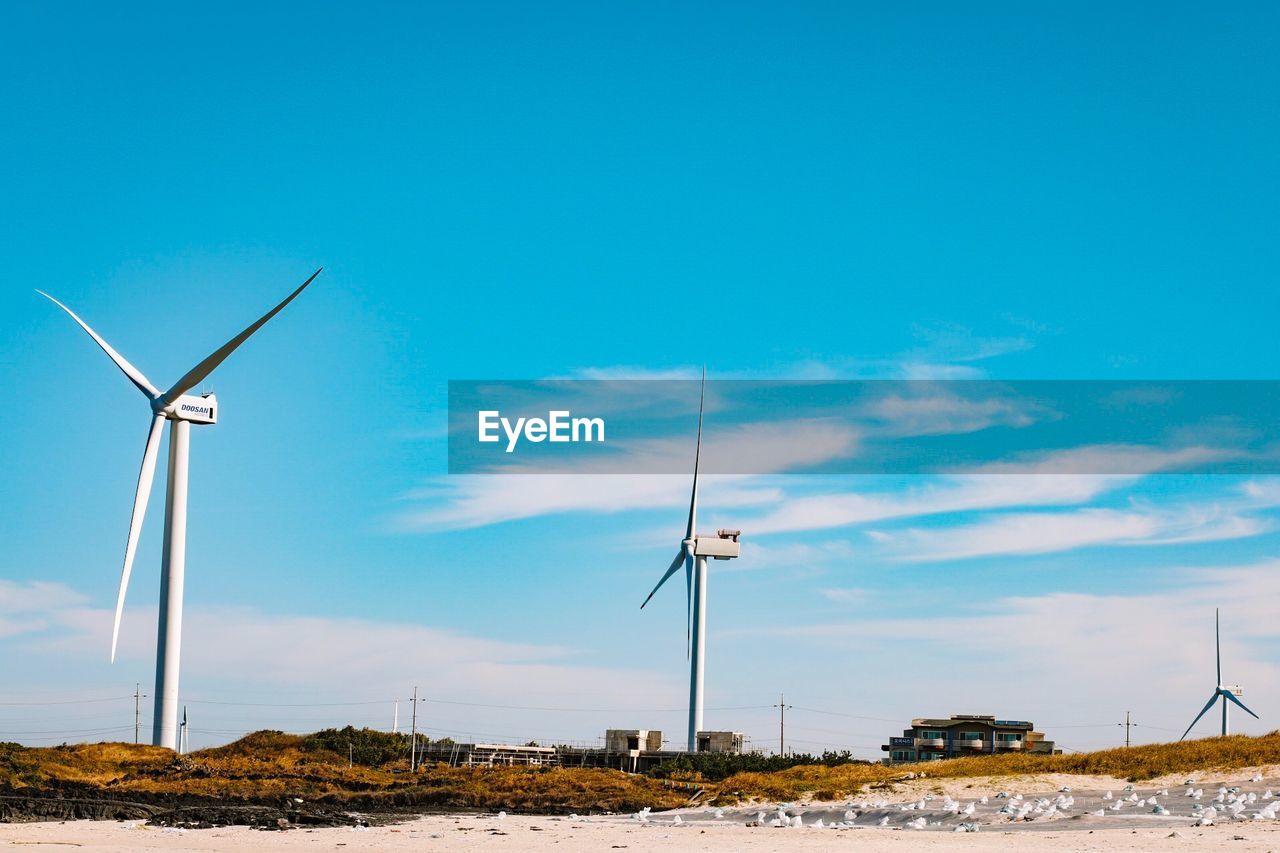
(932, 756)
(971, 736)
(1008, 736)
(902, 755)
(929, 735)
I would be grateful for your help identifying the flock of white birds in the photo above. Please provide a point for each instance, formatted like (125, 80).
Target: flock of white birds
(1227, 803)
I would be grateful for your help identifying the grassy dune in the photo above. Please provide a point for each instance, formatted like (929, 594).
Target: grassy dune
(267, 767)
(1135, 764)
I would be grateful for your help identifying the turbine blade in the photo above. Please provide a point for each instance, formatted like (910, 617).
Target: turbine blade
(697, 459)
(1217, 643)
(204, 368)
(675, 564)
(1231, 696)
(145, 476)
(1203, 711)
(135, 375)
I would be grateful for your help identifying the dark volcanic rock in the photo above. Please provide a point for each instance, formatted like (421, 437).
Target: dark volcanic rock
(23, 809)
(179, 811)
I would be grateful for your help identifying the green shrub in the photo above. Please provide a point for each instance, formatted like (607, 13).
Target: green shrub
(714, 766)
(367, 747)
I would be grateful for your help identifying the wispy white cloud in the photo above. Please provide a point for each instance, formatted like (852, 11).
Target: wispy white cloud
(29, 596)
(938, 496)
(844, 595)
(507, 494)
(795, 558)
(1035, 480)
(1124, 460)
(1235, 516)
(954, 343)
(1067, 659)
(465, 501)
(621, 371)
(24, 605)
(938, 410)
(1263, 491)
(941, 351)
(1047, 532)
(366, 656)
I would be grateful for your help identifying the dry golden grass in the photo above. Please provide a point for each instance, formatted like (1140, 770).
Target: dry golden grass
(267, 766)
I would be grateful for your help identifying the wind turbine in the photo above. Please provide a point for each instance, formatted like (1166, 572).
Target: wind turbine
(1228, 693)
(181, 411)
(693, 554)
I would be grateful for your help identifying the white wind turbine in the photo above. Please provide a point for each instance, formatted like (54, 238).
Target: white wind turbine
(1228, 693)
(181, 410)
(693, 554)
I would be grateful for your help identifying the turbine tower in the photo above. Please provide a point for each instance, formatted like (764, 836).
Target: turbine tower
(693, 553)
(1228, 693)
(181, 411)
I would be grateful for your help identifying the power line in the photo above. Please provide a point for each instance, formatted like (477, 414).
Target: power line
(68, 731)
(359, 702)
(69, 701)
(594, 710)
(850, 716)
(285, 704)
(62, 736)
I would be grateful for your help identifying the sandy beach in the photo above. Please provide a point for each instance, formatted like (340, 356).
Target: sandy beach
(551, 834)
(1058, 812)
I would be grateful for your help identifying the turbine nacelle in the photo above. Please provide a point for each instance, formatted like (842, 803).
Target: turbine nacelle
(723, 546)
(202, 409)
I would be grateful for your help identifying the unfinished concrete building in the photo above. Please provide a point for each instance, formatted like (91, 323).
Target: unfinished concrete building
(626, 740)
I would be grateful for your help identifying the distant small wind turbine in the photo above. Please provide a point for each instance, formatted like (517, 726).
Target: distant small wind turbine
(693, 554)
(1228, 693)
(181, 411)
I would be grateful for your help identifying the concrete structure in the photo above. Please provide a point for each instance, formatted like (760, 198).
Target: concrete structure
(964, 734)
(720, 742)
(632, 750)
(627, 740)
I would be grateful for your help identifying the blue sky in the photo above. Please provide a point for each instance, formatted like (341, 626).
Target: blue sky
(520, 191)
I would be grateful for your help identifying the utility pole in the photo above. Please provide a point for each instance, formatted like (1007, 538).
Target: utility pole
(782, 707)
(138, 696)
(1127, 725)
(413, 734)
